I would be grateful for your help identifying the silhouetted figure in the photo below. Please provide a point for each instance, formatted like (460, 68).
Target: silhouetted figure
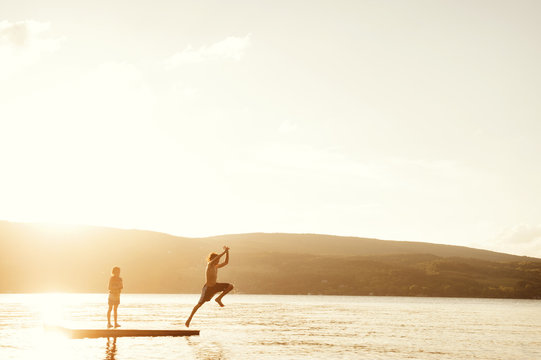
(115, 287)
(212, 287)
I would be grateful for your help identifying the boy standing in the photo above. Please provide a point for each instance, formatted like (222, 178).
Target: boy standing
(212, 287)
(115, 286)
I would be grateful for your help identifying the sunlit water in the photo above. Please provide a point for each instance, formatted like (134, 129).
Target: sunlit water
(276, 327)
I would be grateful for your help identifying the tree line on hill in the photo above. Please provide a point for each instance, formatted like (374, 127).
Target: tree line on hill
(395, 275)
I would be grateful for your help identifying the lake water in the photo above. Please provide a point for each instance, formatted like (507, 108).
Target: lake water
(276, 327)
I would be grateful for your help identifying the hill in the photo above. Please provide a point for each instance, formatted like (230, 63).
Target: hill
(38, 257)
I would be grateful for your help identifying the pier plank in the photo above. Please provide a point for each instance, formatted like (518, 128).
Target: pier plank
(97, 333)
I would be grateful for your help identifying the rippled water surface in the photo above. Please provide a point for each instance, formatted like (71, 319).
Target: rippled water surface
(276, 327)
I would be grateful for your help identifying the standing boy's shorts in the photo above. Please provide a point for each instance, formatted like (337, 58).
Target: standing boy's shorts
(209, 291)
(114, 299)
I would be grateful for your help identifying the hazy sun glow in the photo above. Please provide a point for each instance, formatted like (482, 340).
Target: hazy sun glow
(51, 308)
(360, 118)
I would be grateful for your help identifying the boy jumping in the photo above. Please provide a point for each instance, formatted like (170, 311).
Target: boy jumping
(212, 287)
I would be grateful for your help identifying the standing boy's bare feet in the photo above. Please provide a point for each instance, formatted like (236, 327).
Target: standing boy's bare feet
(109, 326)
(117, 325)
(219, 301)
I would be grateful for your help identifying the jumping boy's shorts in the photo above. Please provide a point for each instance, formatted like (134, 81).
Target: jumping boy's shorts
(209, 291)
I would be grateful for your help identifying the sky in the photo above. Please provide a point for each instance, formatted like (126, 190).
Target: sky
(400, 120)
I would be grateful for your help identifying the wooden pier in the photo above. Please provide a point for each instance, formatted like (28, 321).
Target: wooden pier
(98, 333)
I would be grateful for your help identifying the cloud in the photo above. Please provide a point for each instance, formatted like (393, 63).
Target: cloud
(20, 33)
(232, 48)
(521, 234)
(523, 239)
(23, 43)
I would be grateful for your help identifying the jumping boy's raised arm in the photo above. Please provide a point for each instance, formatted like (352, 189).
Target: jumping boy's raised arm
(226, 251)
(217, 258)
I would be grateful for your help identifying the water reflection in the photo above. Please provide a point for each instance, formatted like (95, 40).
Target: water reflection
(110, 350)
(207, 351)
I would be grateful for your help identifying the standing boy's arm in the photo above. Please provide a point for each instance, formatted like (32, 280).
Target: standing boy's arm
(115, 285)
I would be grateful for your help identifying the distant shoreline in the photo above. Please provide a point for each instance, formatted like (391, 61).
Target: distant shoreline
(34, 260)
(243, 294)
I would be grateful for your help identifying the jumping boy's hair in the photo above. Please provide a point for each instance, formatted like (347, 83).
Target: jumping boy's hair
(211, 256)
(116, 268)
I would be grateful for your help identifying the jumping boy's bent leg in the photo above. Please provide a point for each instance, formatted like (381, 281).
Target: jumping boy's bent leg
(192, 314)
(219, 298)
